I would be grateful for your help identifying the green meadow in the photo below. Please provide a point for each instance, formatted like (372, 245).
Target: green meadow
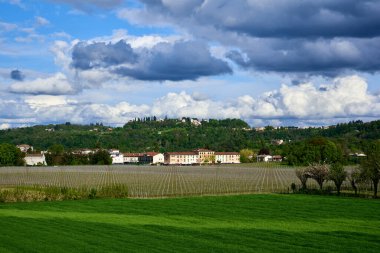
(244, 223)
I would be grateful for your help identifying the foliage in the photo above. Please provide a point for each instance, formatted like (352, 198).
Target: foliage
(337, 174)
(303, 176)
(10, 155)
(246, 155)
(315, 150)
(100, 157)
(301, 146)
(354, 177)
(370, 167)
(319, 172)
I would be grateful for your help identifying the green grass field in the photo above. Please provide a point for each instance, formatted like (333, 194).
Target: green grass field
(244, 223)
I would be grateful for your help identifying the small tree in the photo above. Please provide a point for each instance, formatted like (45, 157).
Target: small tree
(370, 167)
(302, 176)
(246, 155)
(319, 172)
(354, 178)
(337, 174)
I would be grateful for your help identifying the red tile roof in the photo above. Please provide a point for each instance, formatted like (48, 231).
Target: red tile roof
(181, 153)
(227, 153)
(133, 154)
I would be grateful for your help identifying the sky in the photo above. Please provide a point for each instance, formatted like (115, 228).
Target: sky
(273, 62)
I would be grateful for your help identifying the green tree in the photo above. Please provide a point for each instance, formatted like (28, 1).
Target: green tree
(303, 176)
(55, 154)
(246, 155)
(337, 174)
(10, 155)
(354, 177)
(319, 172)
(370, 167)
(101, 157)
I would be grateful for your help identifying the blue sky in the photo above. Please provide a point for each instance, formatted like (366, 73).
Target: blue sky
(310, 63)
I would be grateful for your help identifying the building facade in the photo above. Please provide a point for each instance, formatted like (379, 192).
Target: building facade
(34, 159)
(227, 157)
(200, 156)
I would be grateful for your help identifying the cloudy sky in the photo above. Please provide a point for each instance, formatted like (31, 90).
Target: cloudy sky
(273, 62)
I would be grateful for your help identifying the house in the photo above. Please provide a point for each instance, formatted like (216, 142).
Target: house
(35, 159)
(227, 157)
(277, 142)
(83, 152)
(152, 158)
(195, 122)
(264, 158)
(25, 147)
(181, 158)
(117, 157)
(131, 157)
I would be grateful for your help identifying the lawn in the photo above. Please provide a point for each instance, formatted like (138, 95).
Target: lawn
(244, 223)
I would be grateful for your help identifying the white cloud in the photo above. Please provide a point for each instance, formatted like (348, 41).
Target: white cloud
(53, 85)
(7, 26)
(5, 126)
(41, 21)
(344, 99)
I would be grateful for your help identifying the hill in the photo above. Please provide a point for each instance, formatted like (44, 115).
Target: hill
(150, 134)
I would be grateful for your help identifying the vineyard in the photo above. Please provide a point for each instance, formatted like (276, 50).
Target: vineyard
(159, 181)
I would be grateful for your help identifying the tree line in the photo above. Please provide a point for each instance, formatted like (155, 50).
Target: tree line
(367, 171)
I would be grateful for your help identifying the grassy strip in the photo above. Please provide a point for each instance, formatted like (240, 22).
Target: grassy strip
(249, 223)
(51, 193)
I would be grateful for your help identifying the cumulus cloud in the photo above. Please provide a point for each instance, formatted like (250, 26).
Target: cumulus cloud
(57, 84)
(87, 56)
(346, 98)
(319, 37)
(17, 75)
(181, 60)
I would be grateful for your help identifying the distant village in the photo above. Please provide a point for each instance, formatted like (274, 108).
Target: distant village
(195, 157)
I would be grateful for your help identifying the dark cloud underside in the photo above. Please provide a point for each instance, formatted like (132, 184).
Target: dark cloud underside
(184, 60)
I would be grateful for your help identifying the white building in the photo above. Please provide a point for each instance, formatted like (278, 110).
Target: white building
(35, 159)
(181, 158)
(264, 158)
(152, 158)
(117, 157)
(227, 157)
(25, 147)
(131, 157)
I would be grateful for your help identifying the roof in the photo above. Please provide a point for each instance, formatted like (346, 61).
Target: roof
(203, 150)
(227, 153)
(23, 145)
(264, 156)
(133, 154)
(181, 153)
(34, 155)
(151, 153)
